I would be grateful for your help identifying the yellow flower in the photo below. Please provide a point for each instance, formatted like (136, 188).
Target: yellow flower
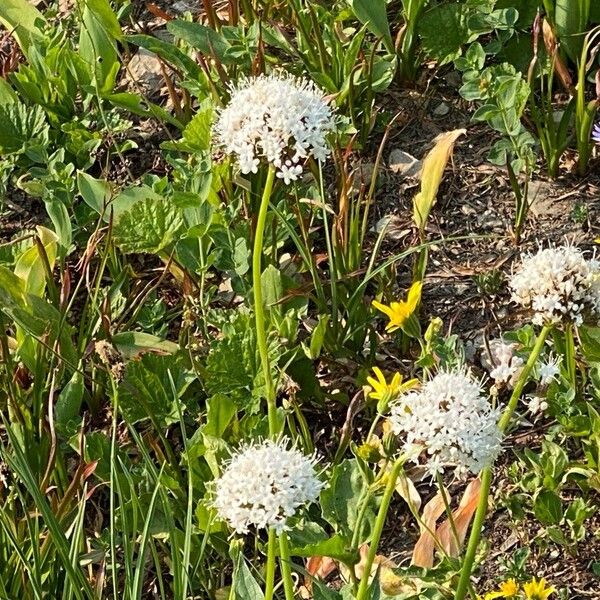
(508, 589)
(399, 312)
(385, 392)
(537, 590)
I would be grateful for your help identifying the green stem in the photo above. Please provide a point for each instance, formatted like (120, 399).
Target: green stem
(285, 563)
(270, 572)
(259, 309)
(448, 510)
(486, 475)
(363, 588)
(570, 355)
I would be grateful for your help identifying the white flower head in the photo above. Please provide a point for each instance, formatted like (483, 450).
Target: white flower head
(452, 421)
(549, 369)
(264, 484)
(278, 119)
(558, 284)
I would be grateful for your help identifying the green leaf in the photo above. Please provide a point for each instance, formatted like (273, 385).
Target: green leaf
(309, 539)
(142, 107)
(150, 225)
(201, 37)
(373, 14)
(95, 192)
(146, 392)
(169, 52)
(30, 266)
(20, 124)
(23, 20)
(590, 342)
(97, 43)
(68, 403)
(245, 587)
(340, 501)
(220, 409)
(444, 31)
(548, 508)
(132, 344)
(571, 18)
(197, 135)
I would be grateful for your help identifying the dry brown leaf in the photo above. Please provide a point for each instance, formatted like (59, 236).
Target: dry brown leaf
(423, 551)
(408, 492)
(317, 567)
(462, 517)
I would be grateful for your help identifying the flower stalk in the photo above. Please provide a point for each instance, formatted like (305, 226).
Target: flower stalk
(259, 309)
(363, 588)
(486, 474)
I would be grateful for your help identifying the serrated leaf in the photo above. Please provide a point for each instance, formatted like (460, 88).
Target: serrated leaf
(146, 393)
(444, 31)
(20, 124)
(150, 225)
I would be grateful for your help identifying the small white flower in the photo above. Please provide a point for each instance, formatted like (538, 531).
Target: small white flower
(451, 420)
(536, 404)
(264, 484)
(279, 119)
(504, 365)
(558, 284)
(549, 369)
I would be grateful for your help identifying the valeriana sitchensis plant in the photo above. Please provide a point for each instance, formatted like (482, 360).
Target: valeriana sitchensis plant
(261, 487)
(561, 289)
(446, 423)
(277, 123)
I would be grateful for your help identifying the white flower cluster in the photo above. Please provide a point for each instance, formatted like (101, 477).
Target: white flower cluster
(504, 365)
(264, 484)
(558, 284)
(451, 420)
(278, 118)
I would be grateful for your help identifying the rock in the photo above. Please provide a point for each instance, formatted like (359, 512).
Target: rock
(539, 198)
(144, 70)
(441, 110)
(395, 227)
(404, 163)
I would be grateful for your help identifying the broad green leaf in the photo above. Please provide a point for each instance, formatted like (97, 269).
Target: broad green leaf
(97, 43)
(132, 344)
(12, 289)
(373, 14)
(169, 52)
(431, 176)
(200, 37)
(150, 225)
(444, 31)
(142, 107)
(30, 266)
(571, 19)
(20, 124)
(95, 192)
(548, 508)
(220, 410)
(590, 342)
(309, 539)
(197, 135)
(146, 393)
(68, 403)
(244, 586)
(23, 20)
(340, 501)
